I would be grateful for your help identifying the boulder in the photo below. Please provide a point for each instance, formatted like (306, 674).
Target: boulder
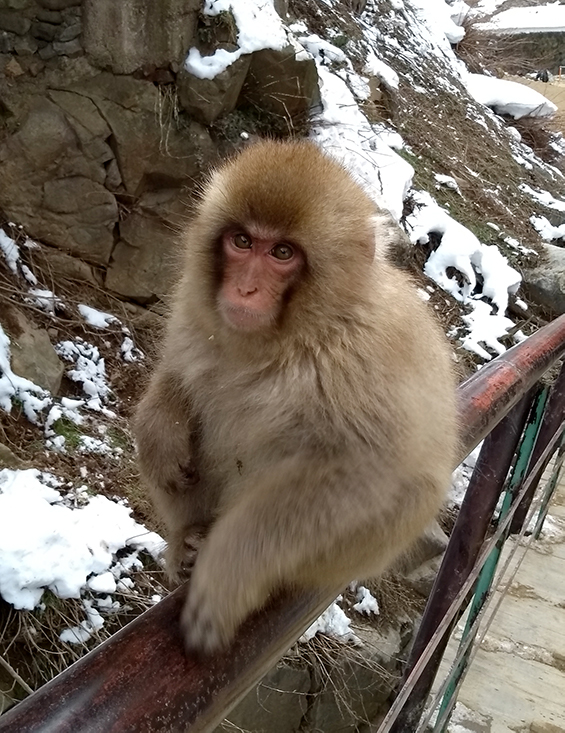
(143, 261)
(546, 283)
(34, 357)
(283, 82)
(58, 4)
(276, 705)
(152, 151)
(431, 544)
(208, 99)
(8, 459)
(422, 578)
(60, 265)
(128, 35)
(14, 22)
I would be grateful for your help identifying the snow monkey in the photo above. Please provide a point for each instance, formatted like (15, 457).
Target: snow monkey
(301, 421)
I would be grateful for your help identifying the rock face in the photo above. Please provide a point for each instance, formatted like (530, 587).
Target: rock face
(546, 283)
(105, 136)
(131, 34)
(293, 696)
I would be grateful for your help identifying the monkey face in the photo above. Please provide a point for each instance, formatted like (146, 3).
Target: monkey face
(258, 270)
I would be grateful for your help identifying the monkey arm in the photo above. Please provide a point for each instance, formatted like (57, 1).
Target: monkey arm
(303, 522)
(163, 433)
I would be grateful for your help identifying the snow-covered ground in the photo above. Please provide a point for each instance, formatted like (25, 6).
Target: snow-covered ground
(54, 535)
(536, 19)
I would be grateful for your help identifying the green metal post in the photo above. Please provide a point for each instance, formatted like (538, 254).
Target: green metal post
(484, 581)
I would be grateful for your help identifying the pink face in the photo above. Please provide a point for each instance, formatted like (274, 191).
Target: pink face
(257, 273)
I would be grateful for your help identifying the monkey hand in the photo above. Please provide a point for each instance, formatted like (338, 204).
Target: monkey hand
(182, 551)
(222, 592)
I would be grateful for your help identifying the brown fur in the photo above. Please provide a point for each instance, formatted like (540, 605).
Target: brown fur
(318, 449)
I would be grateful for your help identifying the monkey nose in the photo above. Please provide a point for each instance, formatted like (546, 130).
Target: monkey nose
(245, 290)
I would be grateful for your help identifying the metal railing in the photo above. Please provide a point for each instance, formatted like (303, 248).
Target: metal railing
(140, 680)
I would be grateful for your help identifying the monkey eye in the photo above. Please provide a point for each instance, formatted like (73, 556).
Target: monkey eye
(242, 241)
(282, 251)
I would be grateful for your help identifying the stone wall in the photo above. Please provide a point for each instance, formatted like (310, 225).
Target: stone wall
(104, 136)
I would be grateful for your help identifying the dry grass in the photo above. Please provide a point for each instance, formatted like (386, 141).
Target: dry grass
(497, 54)
(30, 649)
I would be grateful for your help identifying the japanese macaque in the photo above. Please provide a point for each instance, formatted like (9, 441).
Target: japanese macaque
(301, 422)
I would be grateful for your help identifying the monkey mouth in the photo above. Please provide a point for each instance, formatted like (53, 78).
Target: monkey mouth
(243, 318)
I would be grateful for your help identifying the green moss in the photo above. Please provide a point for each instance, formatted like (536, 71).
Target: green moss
(69, 430)
(340, 41)
(118, 438)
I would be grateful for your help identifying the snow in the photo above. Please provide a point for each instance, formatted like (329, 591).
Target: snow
(10, 251)
(33, 398)
(366, 602)
(333, 622)
(546, 230)
(258, 26)
(90, 371)
(509, 97)
(549, 18)
(460, 249)
(447, 181)
(129, 350)
(543, 197)
(462, 475)
(439, 14)
(343, 130)
(375, 67)
(47, 543)
(96, 318)
(44, 299)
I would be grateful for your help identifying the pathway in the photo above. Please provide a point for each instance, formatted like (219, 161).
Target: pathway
(516, 682)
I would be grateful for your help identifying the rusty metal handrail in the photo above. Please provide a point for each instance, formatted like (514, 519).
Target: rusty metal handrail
(141, 680)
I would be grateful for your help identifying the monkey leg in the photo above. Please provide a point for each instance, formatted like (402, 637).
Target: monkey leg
(312, 526)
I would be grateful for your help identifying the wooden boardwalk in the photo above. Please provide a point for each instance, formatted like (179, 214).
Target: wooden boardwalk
(516, 683)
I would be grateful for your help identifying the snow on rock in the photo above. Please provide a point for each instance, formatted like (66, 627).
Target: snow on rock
(546, 230)
(90, 370)
(10, 251)
(129, 350)
(543, 197)
(47, 543)
(366, 150)
(96, 318)
(375, 67)
(258, 27)
(44, 299)
(508, 97)
(438, 14)
(366, 602)
(484, 327)
(460, 249)
(448, 182)
(333, 622)
(33, 398)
